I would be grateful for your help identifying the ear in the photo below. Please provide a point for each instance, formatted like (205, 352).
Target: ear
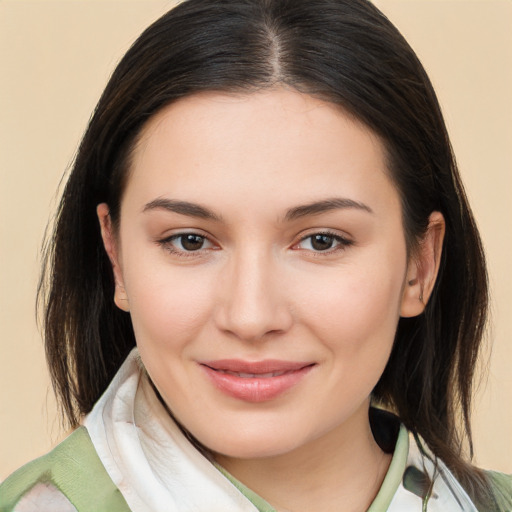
(423, 268)
(111, 247)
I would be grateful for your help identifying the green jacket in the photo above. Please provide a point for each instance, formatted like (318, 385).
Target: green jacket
(74, 469)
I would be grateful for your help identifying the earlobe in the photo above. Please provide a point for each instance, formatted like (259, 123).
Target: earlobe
(112, 250)
(423, 268)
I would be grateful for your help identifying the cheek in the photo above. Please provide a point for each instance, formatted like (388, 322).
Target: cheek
(357, 300)
(357, 307)
(168, 306)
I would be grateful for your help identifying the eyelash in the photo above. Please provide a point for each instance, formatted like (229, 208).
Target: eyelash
(166, 243)
(342, 242)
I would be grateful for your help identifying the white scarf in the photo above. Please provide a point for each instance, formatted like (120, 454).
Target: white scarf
(157, 469)
(446, 494)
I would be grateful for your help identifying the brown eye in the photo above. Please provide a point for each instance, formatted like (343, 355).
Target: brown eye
(322, 242)
(184, 243)
(189, 242)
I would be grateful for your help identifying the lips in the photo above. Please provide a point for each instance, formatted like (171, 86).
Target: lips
(258, 381)
(252, 375)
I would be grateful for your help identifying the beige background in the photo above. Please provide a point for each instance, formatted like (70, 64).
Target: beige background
(55, 58)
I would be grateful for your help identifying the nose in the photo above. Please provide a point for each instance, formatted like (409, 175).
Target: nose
(252, 302)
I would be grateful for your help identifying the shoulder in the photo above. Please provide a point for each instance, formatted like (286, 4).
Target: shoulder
(501, 486)
(69, 478)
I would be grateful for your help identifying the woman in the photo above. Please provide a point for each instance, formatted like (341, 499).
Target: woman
(265, 203)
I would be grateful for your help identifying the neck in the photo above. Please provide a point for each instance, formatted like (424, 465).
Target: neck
(344, 468)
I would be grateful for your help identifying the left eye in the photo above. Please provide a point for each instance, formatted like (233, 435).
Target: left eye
(322, 242)
(188, 242)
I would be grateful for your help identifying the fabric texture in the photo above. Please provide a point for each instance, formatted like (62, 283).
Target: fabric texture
(70, 478)
(131, 455)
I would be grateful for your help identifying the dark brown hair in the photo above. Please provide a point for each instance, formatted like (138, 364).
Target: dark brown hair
(345, 52)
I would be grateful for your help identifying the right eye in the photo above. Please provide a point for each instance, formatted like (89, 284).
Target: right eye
(183, 243)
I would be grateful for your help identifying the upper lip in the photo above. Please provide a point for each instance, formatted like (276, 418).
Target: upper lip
(255, 367)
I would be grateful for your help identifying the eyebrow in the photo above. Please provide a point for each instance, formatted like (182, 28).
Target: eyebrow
(201, 212)
(181, 207)
(318, 207)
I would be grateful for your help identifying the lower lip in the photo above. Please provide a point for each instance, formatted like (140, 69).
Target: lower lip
(255, 389)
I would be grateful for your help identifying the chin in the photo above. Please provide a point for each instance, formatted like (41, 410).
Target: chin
(254, 445)
(251, 451)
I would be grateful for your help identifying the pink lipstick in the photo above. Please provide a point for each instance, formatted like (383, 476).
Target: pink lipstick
(258, 381)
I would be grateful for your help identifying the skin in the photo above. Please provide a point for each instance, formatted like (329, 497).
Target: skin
(258, 288)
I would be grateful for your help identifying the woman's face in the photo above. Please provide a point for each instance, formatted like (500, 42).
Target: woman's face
(262, 258)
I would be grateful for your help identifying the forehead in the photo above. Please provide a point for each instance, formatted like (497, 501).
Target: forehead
(270, 114)
(276, 143)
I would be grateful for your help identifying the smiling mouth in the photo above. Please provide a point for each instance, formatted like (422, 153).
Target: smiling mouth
(253, 375)
(255, 381)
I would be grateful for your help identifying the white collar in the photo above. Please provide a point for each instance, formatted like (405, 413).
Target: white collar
(157, 469)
